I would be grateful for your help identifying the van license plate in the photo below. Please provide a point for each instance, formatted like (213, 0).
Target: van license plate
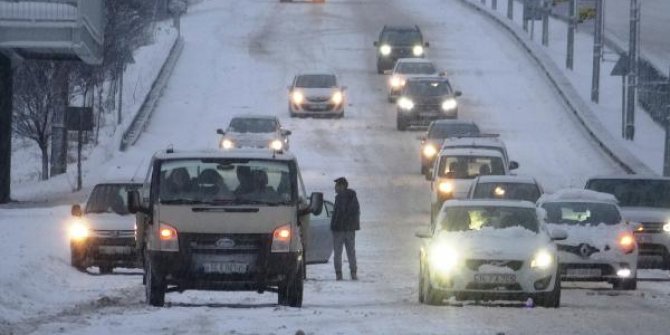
(487, 278)
(225, 268)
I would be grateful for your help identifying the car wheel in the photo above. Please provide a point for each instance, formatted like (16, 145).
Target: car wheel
(424, 169)
(430, 295)
(105, 269)
(401, 124)
(77, 259)
(155, 284)
(290, 293)
(625, 284)
(553, 298)
(421, 297)
(380, 69)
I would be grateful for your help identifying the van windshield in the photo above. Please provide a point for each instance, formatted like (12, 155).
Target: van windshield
(469, 167)
(227, 181)
(495, 217)
(635, 192)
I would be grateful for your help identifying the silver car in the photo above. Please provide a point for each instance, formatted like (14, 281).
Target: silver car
(317, 94)
(254, 131)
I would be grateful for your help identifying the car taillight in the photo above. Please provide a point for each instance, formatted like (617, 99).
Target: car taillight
(627, 242)
(169, 238)
(281, 239)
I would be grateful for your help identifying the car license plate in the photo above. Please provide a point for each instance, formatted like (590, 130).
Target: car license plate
(319, 107)
(494, 278)
(643, 238)
(114, 250)
(225, 268)
(584, 273)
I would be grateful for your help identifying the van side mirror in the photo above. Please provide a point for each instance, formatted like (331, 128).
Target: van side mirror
(220, 131)
(558, 235)
(76, 210)
(375, 43)
(316, 203)
(513, 165)
(458, 93)
(134, 205)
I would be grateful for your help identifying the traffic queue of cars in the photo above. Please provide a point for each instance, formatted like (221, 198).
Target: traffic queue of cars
(239, 218)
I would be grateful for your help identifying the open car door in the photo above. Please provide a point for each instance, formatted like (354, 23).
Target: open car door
(320, 245)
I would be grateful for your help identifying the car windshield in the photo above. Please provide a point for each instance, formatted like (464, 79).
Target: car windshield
(635, 192)
(496, 217)
(316, 81)
(401, 37)
(511, 191)
(469, 167)
(109, 198)
(252, 125)
(453, 130)
(227, 181)
(426, 88)
(582, 213)
(416, 68)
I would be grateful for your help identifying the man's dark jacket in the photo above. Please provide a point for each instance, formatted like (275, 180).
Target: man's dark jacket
(346, 212)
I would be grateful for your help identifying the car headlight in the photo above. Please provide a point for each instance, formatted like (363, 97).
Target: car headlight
(449, 104)
(276, 145)
(385, 50)
(397, 82)
(429, 151)
(446, 187)
(297, 97)
(79, 230)
(405, 103)
(443, 259)
(666, 227)
(227, 144)
(337, 97)
(417, 50)
(542, 260)
(499, 191)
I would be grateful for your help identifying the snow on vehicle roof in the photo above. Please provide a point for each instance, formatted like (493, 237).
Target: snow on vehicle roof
(578, 194)
(245, 153)
(470, 152)
(474, 141)
(489, 203)
(507, 179)
(630, 177)
(414, 60)
(260, 116)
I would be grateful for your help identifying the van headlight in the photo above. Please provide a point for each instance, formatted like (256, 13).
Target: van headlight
(417, 50)
(543, 259)
(449, 104)
(405, 104)
(227, 144)
(79, 230)
(429, 151)
(443, 258)
(385, 50)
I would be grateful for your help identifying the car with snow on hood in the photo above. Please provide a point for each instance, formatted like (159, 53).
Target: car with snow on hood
(102, 233)
(600, 244)
(233, 220)
(254, 131)
(489, 250)
(644, 200)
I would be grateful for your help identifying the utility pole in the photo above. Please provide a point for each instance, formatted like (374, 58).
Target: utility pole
(6, 95)
(510, 9)
(545, 22)
(633, 55)
(569, 60)
(597, 52)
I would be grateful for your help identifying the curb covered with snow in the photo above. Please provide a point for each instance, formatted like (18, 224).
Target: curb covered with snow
(624, 158)
(139, 123)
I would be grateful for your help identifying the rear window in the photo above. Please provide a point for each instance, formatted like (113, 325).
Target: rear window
(582, 213)
(511, 191)
(428, 88)
(252, 125)
(416, 68)
(635, 192)
(452, 130)
(109, 198)
(469, 167)
(316, 81)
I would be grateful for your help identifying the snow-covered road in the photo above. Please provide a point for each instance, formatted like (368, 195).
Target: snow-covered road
(238, 58)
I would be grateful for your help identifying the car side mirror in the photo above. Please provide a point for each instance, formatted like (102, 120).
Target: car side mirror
(134, 205)
(220, 131)
(513, 165)
(375, 43)
(286, 132)
(423, 233)
(427, 45)
(458, 93)
(558, 235)
(316, 203)
(76, 210)
(442, 74)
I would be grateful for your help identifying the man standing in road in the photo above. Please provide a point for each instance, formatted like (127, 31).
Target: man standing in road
(344, 224)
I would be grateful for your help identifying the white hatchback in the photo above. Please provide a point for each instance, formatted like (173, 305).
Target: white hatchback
(489, 250)
(601, 245)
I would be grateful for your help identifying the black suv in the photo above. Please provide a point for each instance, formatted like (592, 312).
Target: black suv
(423, 100)
(398, 42)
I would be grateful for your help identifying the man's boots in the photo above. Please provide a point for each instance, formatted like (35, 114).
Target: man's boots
(338, 275)
(353, 275)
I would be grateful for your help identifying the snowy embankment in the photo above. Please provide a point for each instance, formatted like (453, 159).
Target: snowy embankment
(138, 80)
(606, 115)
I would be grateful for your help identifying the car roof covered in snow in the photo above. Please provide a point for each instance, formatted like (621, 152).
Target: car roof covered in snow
(578, 195)
(491, 140)
(245, 153)
(489, 202)
(252, 116)
(470, 152)
(507, 179)
(414, 60)
(630, 177)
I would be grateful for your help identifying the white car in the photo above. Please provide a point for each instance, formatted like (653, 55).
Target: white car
(102, 233)
(254, 131)
(489, 250)
(455, 169)
(510, 187)
(481, 141)
(316, 94)
(600, 246)
(644, 200)
(406, 68)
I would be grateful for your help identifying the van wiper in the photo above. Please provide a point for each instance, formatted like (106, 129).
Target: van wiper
(258, 202)
(181, 202)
